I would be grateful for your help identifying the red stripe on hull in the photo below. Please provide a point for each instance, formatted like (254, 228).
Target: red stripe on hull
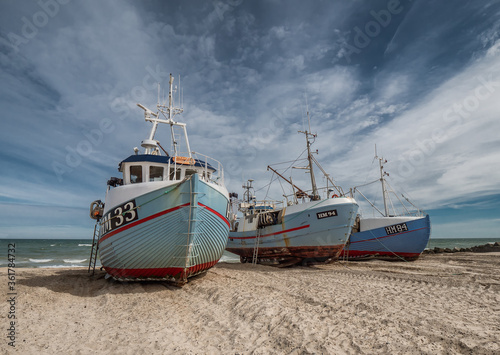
(271, 234)
(136, 223)
(216, 213)
(304, 252)
(177, 273)
(387, 236)
(365, 253)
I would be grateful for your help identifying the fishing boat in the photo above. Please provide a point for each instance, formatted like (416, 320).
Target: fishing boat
(392, 236)
(307, 227)
(166, 217)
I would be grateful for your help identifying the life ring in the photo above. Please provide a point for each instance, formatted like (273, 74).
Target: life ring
(335, 195)
(184, 160)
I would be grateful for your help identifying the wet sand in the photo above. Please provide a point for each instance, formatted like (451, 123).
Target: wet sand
(439, 304)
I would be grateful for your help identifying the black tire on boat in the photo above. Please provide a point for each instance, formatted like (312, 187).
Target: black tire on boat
(243, 259)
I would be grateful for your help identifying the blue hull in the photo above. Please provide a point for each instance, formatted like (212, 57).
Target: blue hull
(403, 240)
(305, 231)
(170, 233)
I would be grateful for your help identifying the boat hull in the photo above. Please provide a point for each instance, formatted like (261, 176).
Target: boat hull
(391, 238)
(178, 230)
(306, 231)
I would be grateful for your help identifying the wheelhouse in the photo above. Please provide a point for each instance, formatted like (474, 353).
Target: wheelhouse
(150, 168)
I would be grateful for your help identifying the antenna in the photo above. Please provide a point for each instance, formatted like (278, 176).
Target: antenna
(302, 112)
(308, 118)
(248, 186)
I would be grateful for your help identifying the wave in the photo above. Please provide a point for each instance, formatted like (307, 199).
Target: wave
(84, 245)
(40, 260)
(74, 261)
(60, 266)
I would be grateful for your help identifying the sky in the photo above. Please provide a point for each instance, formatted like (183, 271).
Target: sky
(419, 79)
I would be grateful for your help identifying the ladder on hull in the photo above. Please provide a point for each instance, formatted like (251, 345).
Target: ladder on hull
(256, 248)
(94, 249)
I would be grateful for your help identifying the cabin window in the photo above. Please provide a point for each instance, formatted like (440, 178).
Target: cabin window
(190, 172)
(175, 174)
(135, 174)
(155, 173)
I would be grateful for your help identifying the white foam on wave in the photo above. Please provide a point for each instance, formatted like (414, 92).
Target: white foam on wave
(74, 261)
(17, 262)
(84, 245)
(40, 260)
(60, 266)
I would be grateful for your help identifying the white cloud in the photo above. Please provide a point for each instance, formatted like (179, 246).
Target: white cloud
(451, 134)
(245, 72)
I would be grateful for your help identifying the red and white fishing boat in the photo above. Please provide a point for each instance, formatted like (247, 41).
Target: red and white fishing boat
(166, 217)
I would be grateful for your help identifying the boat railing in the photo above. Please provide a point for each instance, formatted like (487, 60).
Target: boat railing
(409, 213)
(218, 175)
(260, 206)
(323, 192)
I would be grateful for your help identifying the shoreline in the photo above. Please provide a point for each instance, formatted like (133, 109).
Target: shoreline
(483, 248)
(441, 303)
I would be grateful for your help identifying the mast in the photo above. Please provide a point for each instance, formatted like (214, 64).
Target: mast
(382, 180)
(248, 186)
(315, 195)
(168, 112)
(171, 113)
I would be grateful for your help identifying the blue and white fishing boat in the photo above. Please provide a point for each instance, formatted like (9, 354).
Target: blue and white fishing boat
(166, 218)
(307, 227)
(392, 236)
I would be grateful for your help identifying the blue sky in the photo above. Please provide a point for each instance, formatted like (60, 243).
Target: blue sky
(421, 79)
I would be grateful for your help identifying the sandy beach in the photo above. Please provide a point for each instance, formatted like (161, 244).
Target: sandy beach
(439, 304)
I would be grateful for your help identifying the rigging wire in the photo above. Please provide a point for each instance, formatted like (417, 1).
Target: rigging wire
(269, 186)
(368, 183)
(292, 161)
(282, 187)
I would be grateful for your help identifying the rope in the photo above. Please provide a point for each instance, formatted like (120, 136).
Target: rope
(387, 247)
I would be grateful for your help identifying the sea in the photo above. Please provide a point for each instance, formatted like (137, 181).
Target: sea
(56, 253)
(59, 253)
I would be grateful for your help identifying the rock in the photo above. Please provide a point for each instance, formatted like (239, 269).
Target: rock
(448, 250)
(485, 248)
(438, 250)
